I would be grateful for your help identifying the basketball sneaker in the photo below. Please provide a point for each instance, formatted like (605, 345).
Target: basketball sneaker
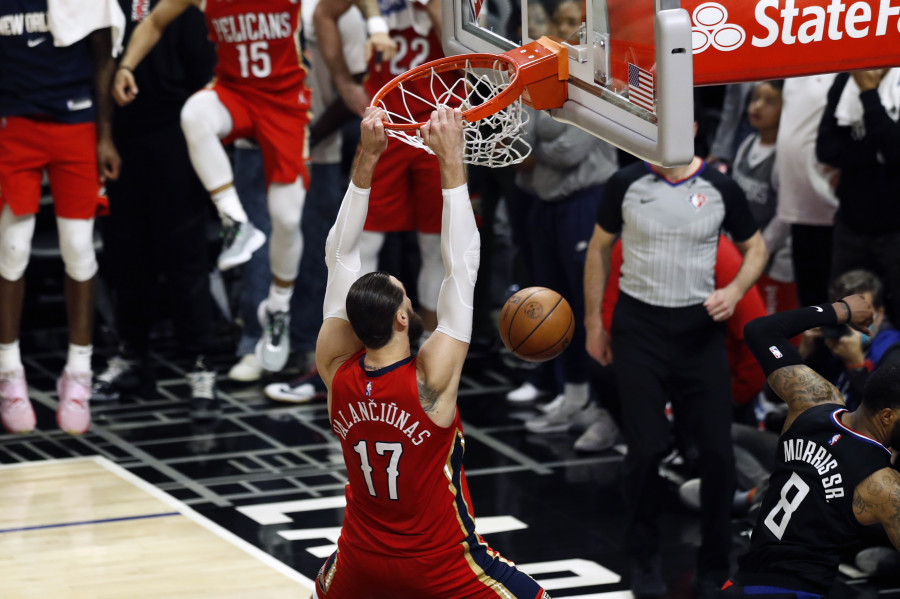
(204, 399)
(74, 412)
(121, 374)
(246, 370)
(525, 392)
(563, 417)
(274, 347)
(239, 241)
(599, 436)
(300, 390)
(15, 407)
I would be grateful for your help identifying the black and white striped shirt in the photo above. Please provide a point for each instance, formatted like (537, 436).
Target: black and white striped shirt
(670, 231)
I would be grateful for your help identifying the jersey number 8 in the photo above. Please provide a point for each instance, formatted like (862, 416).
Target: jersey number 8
(787, 506)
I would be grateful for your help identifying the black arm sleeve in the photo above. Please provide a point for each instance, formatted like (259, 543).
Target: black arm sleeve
(768, 337)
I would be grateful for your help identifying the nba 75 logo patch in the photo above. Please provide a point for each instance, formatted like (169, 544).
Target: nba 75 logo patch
(697, 200)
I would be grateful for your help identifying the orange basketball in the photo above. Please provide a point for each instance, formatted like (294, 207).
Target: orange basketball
(536, 324)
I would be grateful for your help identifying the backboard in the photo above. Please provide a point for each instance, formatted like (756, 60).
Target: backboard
(630, 64)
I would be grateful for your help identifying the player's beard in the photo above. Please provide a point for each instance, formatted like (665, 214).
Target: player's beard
(416, 326)
(894, 439)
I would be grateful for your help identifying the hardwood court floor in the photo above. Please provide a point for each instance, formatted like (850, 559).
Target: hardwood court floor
(272, 476)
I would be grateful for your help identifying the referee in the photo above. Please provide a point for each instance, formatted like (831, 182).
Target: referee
(668, 339)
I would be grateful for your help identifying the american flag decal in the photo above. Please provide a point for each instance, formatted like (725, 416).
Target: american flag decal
(640, 87)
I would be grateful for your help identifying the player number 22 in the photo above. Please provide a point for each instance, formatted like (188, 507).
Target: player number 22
(788, 506)
(256, 61)
(396, 450)
(415, 51)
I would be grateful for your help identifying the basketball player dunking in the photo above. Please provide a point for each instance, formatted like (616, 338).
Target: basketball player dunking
(408, 530)
(258, 92)
(833, 472)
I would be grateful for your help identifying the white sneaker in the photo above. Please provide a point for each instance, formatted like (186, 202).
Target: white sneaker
(599, 436)
(295, 391)
(564, 417)
(239, 242)
(552, 406)
(247, 370)
(274, 346)
(525, 392)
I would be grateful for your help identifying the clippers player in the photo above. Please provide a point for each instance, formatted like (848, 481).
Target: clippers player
(833, 473)
(258, 92)
(55, 116)
(408, 530)
(406, 195)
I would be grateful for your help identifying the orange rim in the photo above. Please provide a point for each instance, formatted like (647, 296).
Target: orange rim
(452, 63)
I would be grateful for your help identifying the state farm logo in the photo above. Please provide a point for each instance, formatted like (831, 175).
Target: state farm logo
(711, 28)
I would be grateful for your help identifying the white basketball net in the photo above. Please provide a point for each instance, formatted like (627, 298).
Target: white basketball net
(493, 141)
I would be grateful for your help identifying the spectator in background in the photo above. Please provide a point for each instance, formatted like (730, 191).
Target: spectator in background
(734, 126)
(860, 135)
(565, 175)
(55, 114)
(158, 224)
(806, 197)
(854, 355)
(754, 171)
(668, 333)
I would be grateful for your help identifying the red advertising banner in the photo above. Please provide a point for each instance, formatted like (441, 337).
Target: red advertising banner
(752, 40)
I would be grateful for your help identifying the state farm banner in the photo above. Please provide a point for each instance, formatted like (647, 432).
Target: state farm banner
(752, 40)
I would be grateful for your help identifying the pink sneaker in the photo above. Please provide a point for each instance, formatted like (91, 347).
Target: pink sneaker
(15, 407)
(74, 412)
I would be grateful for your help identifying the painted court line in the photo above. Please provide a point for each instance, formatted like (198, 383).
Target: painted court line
(85, 522)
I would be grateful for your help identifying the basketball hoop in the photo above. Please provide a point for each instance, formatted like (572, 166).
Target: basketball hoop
(489, 88)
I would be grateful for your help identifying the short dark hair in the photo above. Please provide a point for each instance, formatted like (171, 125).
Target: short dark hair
(858, 281)
(372, 302)
(882, 388)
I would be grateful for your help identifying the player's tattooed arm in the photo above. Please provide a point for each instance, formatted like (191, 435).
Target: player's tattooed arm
(801, 387)
(877, 499)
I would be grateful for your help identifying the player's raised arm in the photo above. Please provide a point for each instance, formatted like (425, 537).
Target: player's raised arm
(337, 341)
(441, 358)
(769, 337)
(145, 36)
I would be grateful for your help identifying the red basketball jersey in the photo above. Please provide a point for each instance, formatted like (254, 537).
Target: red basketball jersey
(256, 43)
(417, 43)
(407, 492)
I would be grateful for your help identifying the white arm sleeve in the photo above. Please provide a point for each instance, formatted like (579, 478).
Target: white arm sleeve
(461, 250)
(342, 251)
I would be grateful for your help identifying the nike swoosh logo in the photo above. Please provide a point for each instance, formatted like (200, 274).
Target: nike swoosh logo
(36, 42)
(818, 309)
(647, 200)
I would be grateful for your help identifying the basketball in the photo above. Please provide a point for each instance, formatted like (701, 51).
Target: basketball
(536, 324)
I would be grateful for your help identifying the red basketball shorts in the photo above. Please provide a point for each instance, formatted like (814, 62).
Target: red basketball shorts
(278, 124)
(473, 573)
(406, 191)
(68, 152)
